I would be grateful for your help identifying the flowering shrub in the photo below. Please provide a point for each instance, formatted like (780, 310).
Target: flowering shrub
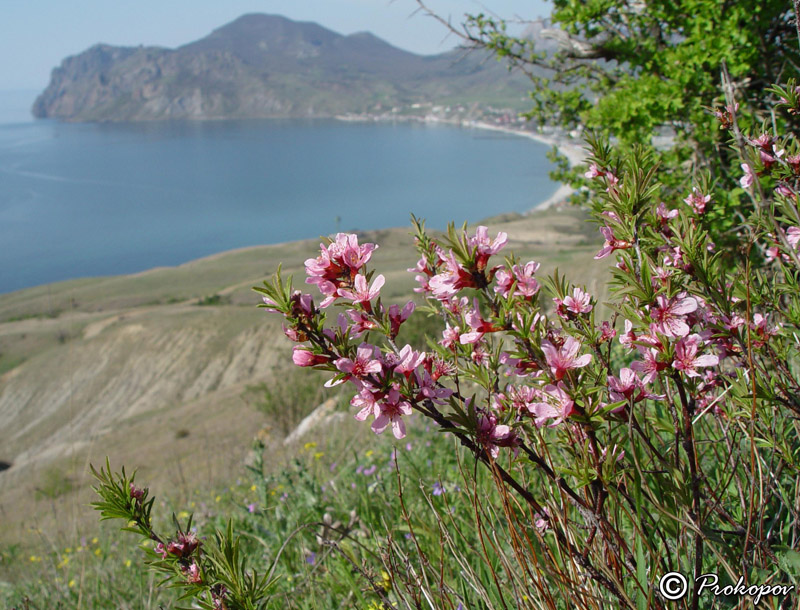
(655, 433)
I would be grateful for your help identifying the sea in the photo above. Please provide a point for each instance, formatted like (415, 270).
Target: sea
(96, 199)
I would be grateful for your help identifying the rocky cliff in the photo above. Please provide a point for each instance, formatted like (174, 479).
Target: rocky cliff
(263, 66)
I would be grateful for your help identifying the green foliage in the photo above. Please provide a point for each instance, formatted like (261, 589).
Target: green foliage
(633, 70)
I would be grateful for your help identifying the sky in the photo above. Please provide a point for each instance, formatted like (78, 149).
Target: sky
(35, 35)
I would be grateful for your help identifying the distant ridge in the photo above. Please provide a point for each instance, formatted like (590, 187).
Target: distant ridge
(265, 66)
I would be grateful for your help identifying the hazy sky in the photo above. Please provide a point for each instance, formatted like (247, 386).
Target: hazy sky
(35, 35)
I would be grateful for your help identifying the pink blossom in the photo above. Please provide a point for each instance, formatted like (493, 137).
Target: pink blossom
(522, 398)
(594, 172)
(793, 237)
(304, 357)
(365, 364)
(484, 247)
(762, 330)
(650, 366)
(390, 411)
(562, 359)
(686, 358)
(628, 387)
(452, 279)
(367, 402)
(697, 200)
(439, 368)
(184, 545)
(504, 281)
(611, 183)
(192, 573)
(352, 254)
(607, 332)
(578, 302)
(428, 388)
(664, 214)
(668, 314)
(478, 326)
(747, 180)
(398, 316)
(629, 336)
(558, 406)
(408, 360)
(611, 243)
(361, 322)
(527, 286)
(492, 436)
(450, 335)
(362, 292)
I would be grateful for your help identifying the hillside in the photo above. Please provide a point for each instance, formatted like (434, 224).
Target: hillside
(261, 66)
(152, 369)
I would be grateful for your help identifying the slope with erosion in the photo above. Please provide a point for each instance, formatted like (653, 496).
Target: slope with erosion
(135, 368)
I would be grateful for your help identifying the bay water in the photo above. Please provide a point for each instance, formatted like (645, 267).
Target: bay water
(81, 200)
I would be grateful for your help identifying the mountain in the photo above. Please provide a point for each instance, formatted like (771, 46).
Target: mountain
(266, 66)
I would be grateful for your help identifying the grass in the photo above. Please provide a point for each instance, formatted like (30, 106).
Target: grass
(193, 412)
(340, 489)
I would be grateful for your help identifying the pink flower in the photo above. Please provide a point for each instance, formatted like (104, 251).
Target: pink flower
(611, 183)
(353, 255)
(484, 248)
(697, 200)
(628, 386)
(606, 332)
(611, 243)
(668, 314)
(136, 492)
(686, 358)
(562, 359)
(578, 302)
(527, 286)
(304, 357)
(362, 292)
(558, 406)
(478, 326)
(522, 398)
(747, 180)
(365, 364)
(428, 388)
(192, 573)
(390, 411)
(793, 237)
(594, 172)
(493, 436)
(367, 402)
(398, 316)
(452, 279)
(184, 545)
(408, 360)
(504, 281)
(450, 335)
(650, 366)
(664, 214)
(361, 322)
